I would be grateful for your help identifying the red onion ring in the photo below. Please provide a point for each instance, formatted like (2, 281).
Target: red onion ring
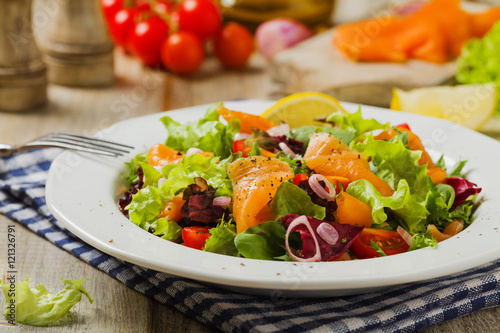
(328, 233)
(405, 235)
(279, 130)
(302, 220)
(241, 136)
(287, 150)
(222, 201)
(319, 190)
(192, 151)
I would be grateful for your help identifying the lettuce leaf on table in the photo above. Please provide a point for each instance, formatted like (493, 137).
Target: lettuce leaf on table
(37, 306)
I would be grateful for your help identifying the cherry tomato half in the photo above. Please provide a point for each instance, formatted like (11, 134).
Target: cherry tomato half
(404, 125)
(239, 146)
(195, 237)
(182, 53)
(201, 17)
(389, 241)
(299, 177)
(233, 46)
(146, 38)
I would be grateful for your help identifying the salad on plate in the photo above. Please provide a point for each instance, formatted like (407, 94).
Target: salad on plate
(241, 185)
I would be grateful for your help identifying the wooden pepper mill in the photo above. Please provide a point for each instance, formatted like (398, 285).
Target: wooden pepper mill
(77, 50)
(23, 84)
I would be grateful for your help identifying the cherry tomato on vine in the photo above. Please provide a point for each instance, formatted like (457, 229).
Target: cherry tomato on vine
(201, 17)
(233, 45)
(145, 40)
(110, 8)
(389, 241)
(182, 53)
(121, 25)
(195, 237)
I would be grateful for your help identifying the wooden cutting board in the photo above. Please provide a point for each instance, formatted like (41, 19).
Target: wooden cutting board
(315, 65)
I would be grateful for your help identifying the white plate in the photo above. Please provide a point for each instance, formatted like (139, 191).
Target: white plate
(81, 195)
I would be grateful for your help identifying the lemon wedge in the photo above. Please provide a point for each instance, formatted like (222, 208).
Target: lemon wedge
(471, 106)
(300, 109)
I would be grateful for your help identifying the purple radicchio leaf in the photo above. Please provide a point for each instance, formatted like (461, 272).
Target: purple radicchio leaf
(199, 203)
(463, 189)
(347, 234)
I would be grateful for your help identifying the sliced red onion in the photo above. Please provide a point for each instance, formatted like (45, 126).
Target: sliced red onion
(192, 151)
(328, 233)
(302, 220)
(319, 190)
(161, 181)
(279, 130)
(405, 235)
(287, 150)
(222, 201)
(241, 136)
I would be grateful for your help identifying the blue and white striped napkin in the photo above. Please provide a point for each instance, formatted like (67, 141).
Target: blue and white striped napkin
(406, 308)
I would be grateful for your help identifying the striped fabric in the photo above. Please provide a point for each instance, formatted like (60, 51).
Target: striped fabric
(408, 308)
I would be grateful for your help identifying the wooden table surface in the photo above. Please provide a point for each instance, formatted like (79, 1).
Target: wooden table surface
(137, 92)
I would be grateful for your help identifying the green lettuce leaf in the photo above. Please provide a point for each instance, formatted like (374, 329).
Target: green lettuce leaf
(290, 199)
(147, 203)
(401, 203)
(265, 241)
(221, 240)
(207, 134)
(479, 62)
(422, 239)
(166, 229)
(151, 175)
(438, 203)
(395, 162)
(297, 164)
(145, 206)
(134, 165)
(303, 134)
(463, 212)
(355, 123)
(37, 306)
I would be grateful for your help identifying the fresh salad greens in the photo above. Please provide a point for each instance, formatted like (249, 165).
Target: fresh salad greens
(37, 306)
(259, 195)
(479, 62)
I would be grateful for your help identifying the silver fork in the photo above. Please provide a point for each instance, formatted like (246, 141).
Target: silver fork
(69, 141)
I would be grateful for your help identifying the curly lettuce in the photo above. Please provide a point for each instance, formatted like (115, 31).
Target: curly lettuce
(39, 307)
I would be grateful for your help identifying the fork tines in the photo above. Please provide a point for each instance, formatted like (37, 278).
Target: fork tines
(85, 143)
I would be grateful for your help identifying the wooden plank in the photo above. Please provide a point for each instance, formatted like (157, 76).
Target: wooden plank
(315, 65)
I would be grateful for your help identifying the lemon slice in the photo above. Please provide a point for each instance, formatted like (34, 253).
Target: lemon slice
(471, 106)
(300, 109)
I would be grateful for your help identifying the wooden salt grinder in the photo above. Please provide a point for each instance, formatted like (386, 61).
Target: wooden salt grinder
(23, 84)
(78, 51)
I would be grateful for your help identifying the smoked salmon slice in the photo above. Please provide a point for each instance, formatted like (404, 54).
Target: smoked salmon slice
(255, 182)
(435, 32)
(329, 156)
